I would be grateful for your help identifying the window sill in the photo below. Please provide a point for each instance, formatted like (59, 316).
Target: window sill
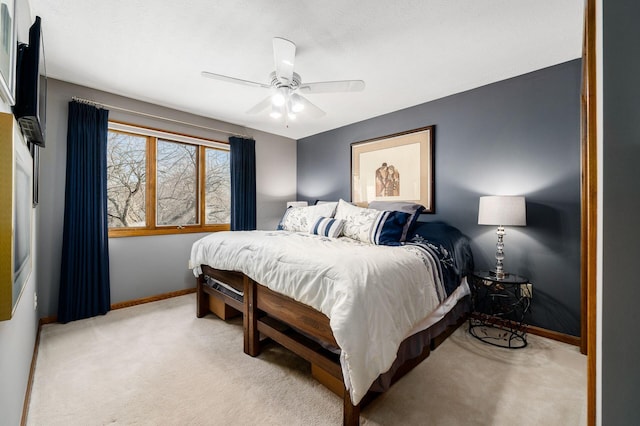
(133, 232)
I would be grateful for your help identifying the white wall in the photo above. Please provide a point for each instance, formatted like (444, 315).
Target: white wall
(17, 335)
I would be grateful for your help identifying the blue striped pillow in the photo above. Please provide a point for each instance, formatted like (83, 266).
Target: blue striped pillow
(414, 210)
(388, 228)
(328, 227)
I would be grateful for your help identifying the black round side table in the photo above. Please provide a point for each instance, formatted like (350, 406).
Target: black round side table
(499, 309)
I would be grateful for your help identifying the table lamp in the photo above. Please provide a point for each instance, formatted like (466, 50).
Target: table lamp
(501, 211)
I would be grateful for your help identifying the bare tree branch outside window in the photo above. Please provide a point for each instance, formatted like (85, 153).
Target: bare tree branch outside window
(176, 184)
(126, 180)
(217, 187)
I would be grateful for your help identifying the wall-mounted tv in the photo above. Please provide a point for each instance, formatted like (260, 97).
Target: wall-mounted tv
(31, 89)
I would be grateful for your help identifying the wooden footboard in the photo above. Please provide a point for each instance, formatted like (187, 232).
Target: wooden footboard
(299, 328)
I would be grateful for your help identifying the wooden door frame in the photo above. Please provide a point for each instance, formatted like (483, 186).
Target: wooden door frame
(589, 205)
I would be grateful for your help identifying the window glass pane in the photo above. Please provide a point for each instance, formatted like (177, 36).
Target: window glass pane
(126, 180)
(217, 187)
(176, 184)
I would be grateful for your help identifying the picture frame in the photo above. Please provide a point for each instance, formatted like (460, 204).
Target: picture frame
(8, 47)
(16, 175)
(396, 167)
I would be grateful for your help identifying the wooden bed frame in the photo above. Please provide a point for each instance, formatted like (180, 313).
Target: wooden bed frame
(289, 322)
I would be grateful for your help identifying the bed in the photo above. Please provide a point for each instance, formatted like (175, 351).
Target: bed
(362, 314)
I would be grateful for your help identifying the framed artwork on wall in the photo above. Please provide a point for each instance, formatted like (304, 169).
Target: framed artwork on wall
(397, 167)
(8, 47)
(16, 174)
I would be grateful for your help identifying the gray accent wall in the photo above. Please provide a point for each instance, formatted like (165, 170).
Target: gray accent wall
(516, 137)
(620, 187)
(151, 265)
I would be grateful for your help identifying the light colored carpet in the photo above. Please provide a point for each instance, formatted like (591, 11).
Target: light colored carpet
(157, 364)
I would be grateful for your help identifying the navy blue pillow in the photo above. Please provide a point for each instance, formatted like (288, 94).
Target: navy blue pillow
(389, 228)
(414, 210)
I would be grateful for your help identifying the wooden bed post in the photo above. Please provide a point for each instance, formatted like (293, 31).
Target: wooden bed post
(350, 412)
(202, 303)
(251, 334)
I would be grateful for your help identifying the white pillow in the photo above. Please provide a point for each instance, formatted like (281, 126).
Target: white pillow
(358, 220)
(300, 219)
(323, 209)
(370, 225)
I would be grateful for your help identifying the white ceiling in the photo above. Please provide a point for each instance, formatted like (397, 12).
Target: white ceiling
(407, 52)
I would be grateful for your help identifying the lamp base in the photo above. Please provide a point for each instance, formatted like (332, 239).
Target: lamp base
(498, 274)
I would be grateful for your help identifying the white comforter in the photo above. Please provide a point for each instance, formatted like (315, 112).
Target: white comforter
(373, 295)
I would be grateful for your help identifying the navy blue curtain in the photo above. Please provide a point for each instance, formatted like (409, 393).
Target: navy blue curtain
(243, 184)
(84, 275)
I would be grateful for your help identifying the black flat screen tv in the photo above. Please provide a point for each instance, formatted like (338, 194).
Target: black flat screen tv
(31, 89)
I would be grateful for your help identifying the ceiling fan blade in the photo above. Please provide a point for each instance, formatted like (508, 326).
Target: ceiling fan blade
(332, 86)
(260, 106)
(310, 109)
(284, 55)
(233, 80)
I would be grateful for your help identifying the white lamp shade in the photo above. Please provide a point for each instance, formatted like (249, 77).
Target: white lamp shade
(502, 210)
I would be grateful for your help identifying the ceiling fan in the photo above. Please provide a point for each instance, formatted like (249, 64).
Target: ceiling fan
(286, 99)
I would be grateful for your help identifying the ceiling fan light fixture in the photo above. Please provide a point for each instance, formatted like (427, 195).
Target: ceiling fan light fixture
(280, 97)
(296, 103)
(287, 93)
(276, 112)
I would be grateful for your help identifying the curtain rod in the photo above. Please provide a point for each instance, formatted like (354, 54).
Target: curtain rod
(144, 114)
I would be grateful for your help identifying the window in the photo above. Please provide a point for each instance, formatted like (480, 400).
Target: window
(176, 183)
(126, 180)
(161, 183)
